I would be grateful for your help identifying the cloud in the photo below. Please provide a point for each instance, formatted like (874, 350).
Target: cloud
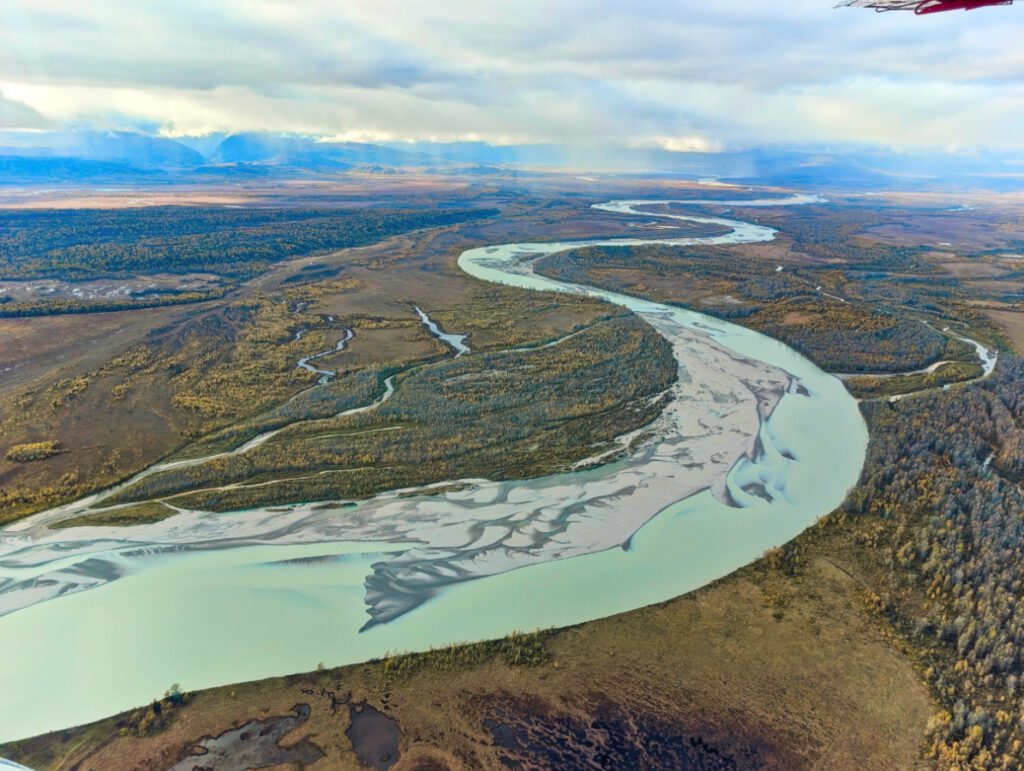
(666, 73)
(18, 115)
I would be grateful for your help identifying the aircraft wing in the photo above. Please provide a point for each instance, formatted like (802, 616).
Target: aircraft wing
(921, 7)
(882, 5)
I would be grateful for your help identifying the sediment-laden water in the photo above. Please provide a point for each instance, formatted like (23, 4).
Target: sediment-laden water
(754, 446)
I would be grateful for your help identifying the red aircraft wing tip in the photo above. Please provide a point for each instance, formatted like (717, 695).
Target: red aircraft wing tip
(922, 7)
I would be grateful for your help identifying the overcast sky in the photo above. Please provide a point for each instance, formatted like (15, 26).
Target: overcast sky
(680, 74)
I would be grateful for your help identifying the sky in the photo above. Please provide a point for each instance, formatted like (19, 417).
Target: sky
(679, 74)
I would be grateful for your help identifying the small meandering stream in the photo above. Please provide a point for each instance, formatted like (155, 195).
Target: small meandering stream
(306, 362)
(755, 445)
(458, 342)
(987, 359)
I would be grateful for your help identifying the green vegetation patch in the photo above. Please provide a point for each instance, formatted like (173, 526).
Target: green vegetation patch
(516, 650)
(867, 387)
(26, 453)
(137, 514)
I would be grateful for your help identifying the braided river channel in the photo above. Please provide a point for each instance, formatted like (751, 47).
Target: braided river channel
(755, 444)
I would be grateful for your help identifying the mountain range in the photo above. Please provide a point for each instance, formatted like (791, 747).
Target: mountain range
(121, 157)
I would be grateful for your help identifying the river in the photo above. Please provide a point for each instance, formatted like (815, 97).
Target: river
(755, 445)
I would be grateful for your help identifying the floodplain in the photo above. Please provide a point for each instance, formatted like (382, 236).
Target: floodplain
(859, 297)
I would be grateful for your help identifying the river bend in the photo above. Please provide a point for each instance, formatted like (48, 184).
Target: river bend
(755, 444)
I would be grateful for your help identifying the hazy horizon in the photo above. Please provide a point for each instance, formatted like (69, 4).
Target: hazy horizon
(654, 75)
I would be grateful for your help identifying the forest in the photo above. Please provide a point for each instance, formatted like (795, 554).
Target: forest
(86, 244)
(504, 414)
(211, 380)
(838, 334)
(940, 499)
(10, 308)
